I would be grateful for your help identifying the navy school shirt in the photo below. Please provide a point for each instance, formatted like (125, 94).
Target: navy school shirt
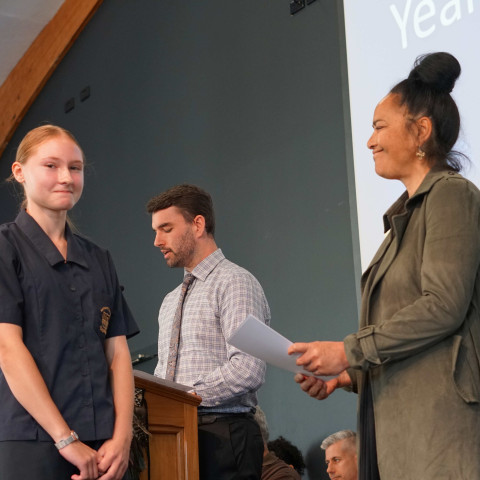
(66, 310)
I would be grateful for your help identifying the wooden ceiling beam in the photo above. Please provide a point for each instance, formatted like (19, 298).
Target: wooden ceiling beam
(26, 80)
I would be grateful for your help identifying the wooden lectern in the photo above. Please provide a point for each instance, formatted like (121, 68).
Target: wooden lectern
(172, 421)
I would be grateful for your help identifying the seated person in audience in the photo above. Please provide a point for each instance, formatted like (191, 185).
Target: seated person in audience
(288, 452)
(341, 455)
(273, 468)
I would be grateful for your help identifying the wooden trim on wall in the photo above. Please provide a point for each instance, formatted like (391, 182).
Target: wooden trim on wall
(26, 80)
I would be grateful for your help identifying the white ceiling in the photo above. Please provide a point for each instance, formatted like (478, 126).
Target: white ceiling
(20, 22)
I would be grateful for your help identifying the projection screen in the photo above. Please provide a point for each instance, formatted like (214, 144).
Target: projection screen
(383, 39)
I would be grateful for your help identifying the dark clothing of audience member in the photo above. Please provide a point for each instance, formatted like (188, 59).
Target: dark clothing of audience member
(274, 468)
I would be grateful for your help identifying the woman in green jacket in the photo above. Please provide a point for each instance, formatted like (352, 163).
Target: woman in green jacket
(415, 361)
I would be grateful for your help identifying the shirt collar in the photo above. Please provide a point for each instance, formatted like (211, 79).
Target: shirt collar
(397, 208)
(75, 252)
(42, 242)
(206, 266)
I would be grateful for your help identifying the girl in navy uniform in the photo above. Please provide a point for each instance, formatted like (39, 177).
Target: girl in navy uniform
(66, 384)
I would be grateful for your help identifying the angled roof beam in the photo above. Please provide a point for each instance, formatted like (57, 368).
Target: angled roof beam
(26, 80)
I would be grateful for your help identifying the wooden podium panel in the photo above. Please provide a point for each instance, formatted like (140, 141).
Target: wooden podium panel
(172, 421)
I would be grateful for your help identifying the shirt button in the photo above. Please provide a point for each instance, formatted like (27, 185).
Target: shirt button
(73, 288)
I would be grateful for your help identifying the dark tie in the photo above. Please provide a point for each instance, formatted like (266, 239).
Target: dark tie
(176, 327)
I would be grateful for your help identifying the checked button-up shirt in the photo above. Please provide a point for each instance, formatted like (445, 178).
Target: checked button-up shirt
(220, 298)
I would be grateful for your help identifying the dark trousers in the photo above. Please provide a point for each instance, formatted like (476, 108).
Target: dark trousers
(230, 448)
(36, 460)
(368, 465)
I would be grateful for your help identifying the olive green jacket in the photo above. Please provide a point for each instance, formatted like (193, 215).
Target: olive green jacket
(419, 334)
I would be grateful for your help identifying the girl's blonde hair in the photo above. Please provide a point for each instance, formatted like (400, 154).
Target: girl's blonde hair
(39, 135)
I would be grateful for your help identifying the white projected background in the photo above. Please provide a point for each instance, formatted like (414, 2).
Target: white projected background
(383, 39)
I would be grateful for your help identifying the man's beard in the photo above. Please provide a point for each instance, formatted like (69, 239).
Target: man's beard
(184, 255)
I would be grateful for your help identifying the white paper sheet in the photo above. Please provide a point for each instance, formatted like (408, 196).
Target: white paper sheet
(261, 341)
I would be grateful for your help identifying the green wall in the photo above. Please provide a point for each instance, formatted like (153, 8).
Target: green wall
(246, 101)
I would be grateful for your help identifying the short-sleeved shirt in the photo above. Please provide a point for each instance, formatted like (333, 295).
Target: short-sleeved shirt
(66, 309)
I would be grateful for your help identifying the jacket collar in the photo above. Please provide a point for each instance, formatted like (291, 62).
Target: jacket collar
(404, 204)
(396, 219)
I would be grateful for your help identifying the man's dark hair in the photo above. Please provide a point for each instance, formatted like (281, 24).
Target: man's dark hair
(190, 200)
(288, 452)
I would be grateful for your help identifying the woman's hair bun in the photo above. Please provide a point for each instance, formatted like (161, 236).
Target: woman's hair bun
(438, 71)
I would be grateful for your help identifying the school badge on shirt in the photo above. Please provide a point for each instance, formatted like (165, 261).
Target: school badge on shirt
(106, 314)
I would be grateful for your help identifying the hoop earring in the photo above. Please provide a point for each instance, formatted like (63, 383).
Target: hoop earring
(420, 153)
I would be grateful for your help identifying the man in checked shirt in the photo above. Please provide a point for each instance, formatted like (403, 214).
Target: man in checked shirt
(219, 299)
